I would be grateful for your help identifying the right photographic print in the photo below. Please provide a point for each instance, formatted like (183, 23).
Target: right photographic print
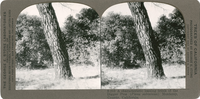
(142, 47)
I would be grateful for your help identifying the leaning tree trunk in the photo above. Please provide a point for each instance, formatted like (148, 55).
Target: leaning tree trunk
(55, 41)
(147, 40)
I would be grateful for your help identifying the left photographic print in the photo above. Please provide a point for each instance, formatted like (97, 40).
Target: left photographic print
(58, 47)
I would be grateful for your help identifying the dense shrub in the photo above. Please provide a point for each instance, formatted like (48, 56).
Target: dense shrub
(82, 37)
(31, 46)
(170, 34)
(120, 45)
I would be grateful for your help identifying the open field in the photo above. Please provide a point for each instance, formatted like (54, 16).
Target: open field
(85, 77)
(88, 77)
(115, 78)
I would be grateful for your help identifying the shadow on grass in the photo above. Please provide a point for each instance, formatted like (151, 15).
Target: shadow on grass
(177, 77)
(122, 84)
(112, 82)
(89, 77)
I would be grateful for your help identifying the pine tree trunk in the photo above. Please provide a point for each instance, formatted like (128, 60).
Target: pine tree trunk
(55, 41)
(147, 40)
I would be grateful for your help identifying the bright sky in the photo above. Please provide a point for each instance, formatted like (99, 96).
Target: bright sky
(64, 10)
(155, 10)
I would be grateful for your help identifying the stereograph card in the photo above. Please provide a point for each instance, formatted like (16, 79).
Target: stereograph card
(92, 49)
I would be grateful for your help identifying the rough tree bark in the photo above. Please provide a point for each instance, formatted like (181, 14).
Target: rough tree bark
(147, 40)
(55, 41)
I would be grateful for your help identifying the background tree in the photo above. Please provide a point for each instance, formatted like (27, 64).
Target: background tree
(32, 50)
(170, 35)
(83, 37)
(147, 39)
(120, 45)
(55, 40)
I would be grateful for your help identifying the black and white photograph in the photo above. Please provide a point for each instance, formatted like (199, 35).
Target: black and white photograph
(142, 47)
(134, 45)
(58, 47)
(100, 49)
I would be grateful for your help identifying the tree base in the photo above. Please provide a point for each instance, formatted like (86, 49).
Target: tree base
(63, 74)
(156, 77)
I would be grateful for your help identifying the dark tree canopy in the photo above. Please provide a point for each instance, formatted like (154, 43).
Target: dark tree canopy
(120, 45)
(88, 14)
(32, 49)
(82, 36)
(170, 34)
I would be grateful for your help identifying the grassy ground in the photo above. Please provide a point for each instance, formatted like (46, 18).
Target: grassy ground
(115, 78)
(86, 77)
